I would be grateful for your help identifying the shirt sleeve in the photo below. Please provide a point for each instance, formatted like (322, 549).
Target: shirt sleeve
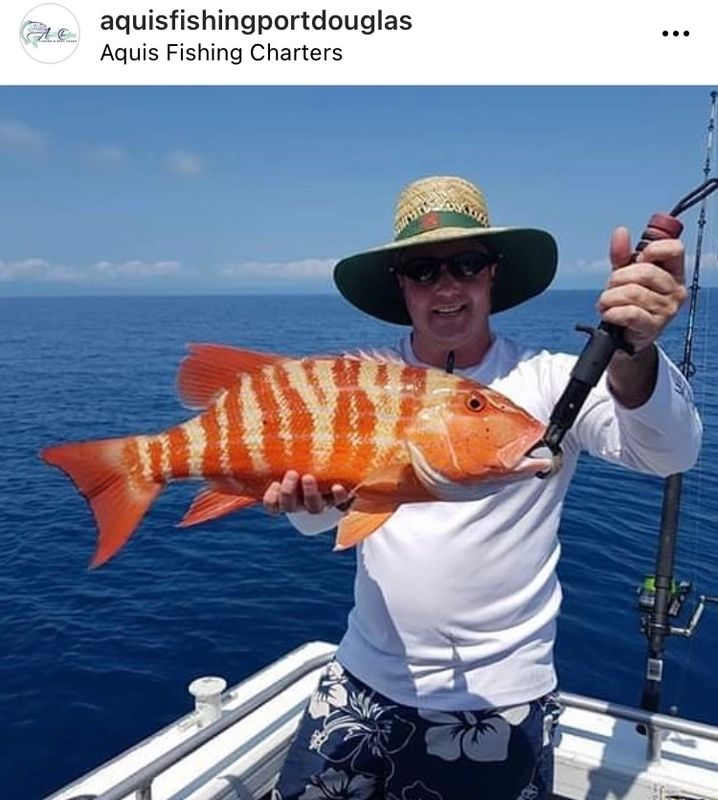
(312, 524)
(661, 437)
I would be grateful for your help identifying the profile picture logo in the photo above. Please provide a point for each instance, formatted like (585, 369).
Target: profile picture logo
(49, 33)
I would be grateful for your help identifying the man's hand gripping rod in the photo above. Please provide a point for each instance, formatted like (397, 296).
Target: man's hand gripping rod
(608, 338)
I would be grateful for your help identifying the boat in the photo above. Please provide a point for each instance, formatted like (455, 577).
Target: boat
(232, 744)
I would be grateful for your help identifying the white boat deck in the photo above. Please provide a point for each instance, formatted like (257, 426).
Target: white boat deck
(598, 757)
(602, 757)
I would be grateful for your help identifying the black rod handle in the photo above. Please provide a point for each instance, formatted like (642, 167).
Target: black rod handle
(602, 344)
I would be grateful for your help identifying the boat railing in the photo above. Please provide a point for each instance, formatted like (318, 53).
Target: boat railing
(655, 724)
(140, 782)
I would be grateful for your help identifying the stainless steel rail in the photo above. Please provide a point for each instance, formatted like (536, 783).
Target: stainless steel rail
(141, 781)
(662, 721)
(655, 724)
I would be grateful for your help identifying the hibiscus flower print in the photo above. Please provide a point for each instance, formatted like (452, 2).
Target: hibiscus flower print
(417, 791)
(331, 692)
(529, 792)
(479, 736)
(363, 734)
(336, 785)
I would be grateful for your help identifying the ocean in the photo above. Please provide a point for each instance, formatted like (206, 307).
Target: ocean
(94, 660)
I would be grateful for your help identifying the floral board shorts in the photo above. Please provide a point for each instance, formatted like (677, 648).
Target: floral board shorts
(355, 744)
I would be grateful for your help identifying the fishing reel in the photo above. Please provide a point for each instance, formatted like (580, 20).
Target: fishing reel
(679, 593)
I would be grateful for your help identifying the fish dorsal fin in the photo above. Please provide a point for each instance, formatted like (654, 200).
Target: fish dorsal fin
(377, 356)
(357, 525)
(211, 368)
(211, 504)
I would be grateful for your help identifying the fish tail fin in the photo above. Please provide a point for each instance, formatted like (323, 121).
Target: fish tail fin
(108, 474)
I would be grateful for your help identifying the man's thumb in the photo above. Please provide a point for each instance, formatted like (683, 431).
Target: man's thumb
(620, 249)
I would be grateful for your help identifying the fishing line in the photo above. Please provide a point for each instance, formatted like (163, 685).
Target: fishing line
(695, 501)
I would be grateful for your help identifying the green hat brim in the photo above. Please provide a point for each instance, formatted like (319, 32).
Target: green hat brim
(528, 264)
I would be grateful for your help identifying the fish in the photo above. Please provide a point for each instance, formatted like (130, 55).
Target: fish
(392, 433)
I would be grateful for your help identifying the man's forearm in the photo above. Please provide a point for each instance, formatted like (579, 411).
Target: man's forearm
(632, 379)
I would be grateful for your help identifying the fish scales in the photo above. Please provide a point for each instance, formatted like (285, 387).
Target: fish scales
(366, 409)
(165, 457)
(300, 379)
(155, 447)
(389, 422)
(252, 424)
(412, 388)
(369, 377)
(346, 434)
(179, 452)
(298, 420)
(197, 443)
(325, 431)
(212, 461)
(279, 409)
(220, 408)
(143, 454)
(391, 432)
(239, 458)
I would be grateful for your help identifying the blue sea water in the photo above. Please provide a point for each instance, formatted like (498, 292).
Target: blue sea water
(94, 660)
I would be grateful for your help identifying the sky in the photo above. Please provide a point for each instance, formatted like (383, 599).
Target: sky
(206, 190)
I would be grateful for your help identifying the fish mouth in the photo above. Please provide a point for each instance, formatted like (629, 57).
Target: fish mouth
(536, 465)
(523, 457)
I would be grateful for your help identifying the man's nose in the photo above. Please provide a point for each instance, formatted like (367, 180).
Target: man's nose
(446, 277)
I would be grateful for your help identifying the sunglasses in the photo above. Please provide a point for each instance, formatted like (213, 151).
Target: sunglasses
(425, 270)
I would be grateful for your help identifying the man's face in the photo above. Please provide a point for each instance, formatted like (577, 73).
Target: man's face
(450, 312)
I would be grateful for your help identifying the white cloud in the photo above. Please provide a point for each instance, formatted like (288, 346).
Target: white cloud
(108, 155)
(17, 137)
(136, 269)
(185, 163)
(596, 266)
(311, 268)
(602, 266)
(38, 270)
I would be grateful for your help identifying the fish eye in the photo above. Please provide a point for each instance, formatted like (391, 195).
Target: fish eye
(474, 403)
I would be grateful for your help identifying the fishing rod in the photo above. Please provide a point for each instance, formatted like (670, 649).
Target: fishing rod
(607, 337)
(660, 597)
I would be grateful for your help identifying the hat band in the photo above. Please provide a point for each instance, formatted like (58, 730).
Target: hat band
(437, 219)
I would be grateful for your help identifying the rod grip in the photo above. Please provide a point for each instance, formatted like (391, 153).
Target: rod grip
(660, 226)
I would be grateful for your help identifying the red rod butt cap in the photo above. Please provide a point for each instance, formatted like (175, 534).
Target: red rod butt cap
(662, 226)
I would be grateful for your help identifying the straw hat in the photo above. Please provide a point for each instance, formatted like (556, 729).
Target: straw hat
(443, 209)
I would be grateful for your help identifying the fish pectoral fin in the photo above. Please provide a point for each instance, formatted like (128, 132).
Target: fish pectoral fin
(393, 480)
(211, 504)
(209, 369)
(357, 525)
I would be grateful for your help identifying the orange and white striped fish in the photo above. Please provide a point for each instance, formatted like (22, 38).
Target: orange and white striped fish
(390, 432)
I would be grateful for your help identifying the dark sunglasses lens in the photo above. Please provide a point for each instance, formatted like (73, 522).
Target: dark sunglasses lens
(422, 270)
(467, 265)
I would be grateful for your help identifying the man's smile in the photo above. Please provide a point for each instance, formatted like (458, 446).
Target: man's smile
(450, 310)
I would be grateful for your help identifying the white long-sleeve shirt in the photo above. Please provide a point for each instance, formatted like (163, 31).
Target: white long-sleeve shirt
(456, 602)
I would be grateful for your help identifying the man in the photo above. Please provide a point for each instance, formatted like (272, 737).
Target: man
(443, 686)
